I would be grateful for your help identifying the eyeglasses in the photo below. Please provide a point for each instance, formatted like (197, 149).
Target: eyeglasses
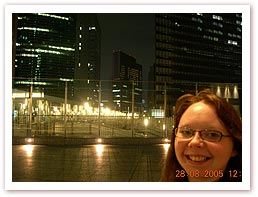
(210, 135)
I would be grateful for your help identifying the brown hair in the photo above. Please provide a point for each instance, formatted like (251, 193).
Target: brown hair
(229, 117)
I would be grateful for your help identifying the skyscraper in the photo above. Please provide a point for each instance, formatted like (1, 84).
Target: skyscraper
(193, 50)
(127, 87)
(87, 58)
(53, 48)
(44, 51)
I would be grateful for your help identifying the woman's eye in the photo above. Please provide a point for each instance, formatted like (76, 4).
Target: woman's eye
(212, 134)
(186, 132)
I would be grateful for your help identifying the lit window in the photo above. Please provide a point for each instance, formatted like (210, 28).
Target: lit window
(61, 48)
(238, 22)
(53, 16)
(232, 42)
(177, 24)
(217, 17)
(33, 29)
(92, 28)
(199, 28)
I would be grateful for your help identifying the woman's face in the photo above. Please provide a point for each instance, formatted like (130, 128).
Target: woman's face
(203, 160)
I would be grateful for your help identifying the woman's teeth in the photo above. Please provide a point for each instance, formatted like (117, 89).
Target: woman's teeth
(197, 158)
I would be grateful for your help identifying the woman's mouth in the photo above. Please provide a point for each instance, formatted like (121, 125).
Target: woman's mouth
(197, 158)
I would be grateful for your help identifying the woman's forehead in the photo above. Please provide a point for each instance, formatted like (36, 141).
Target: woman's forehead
(200, 115)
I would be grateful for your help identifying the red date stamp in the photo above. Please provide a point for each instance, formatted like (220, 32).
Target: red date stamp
(213, 173)
(196, 173)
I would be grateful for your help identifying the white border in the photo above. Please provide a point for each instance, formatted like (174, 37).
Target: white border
(244, 9)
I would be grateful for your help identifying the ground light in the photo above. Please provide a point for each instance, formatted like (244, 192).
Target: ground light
(146, 122)
(99, 150)
(166, 147)
(28, 148)
(99, 140)
(29, 140)
(166, 141)
(166, 144)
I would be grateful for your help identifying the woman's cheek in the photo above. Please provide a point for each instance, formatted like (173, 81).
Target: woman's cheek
(179, 147)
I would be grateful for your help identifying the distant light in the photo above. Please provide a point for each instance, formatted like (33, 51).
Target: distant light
(236, 96)
(29, 140)
(92, 28)
(227, 93)
(99, 149)
(33, 29)
(166, 141)
(53, 16)
(217, 17)
(64, 79)
(26, 95)
(146, 122)
(164, 127)
(218, 92)
(166, 147)
(28, 149)
(99, 140)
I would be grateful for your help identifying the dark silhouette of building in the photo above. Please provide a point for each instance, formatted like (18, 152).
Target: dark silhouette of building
(196, 51)
(127, 86)
(87, 58)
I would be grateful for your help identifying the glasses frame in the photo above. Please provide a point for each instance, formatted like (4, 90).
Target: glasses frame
(200, 133)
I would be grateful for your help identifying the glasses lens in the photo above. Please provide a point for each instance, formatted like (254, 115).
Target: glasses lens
(184, 133)
(208, 135)
(211, 135)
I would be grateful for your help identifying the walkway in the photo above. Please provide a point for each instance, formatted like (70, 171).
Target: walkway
(89, 163)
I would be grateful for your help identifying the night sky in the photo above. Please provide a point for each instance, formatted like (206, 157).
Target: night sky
(132, 33)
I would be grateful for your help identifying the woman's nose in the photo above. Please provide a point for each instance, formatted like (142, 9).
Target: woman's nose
(196, 140)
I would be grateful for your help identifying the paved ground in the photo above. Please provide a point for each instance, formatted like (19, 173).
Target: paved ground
(91, 163)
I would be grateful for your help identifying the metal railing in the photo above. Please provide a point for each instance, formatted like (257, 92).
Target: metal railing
(103, 109)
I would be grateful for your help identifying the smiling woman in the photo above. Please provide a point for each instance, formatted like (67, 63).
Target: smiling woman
(206, 143)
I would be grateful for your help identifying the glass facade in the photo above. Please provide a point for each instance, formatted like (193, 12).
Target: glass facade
(44, 50)
(196, 48)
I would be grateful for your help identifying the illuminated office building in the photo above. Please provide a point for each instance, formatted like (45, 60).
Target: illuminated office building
(45, 52)
(54, 48)
(127, 87)
(195, 51)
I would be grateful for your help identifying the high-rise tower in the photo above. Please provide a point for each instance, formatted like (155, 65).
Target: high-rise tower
(194, 49)
(127, 86)
(44, 52)
(87, 58)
